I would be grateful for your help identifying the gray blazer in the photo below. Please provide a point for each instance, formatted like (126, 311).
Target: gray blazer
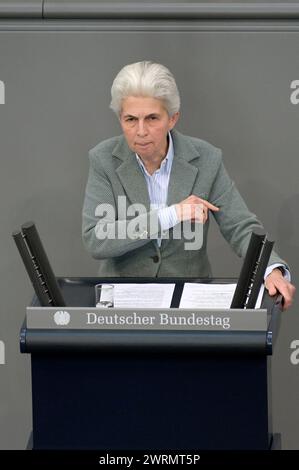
(198, 169)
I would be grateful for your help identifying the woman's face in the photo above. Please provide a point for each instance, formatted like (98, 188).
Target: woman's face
(145, 124)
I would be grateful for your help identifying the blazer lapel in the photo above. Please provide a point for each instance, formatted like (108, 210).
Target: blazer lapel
(131, 176)
(183, 173)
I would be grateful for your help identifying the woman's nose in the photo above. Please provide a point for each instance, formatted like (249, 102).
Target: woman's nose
(141, 131)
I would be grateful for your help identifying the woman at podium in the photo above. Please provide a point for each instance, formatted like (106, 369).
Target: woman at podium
(151, 190)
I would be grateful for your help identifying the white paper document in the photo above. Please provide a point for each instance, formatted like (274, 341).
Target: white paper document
(143, 295)
(208, 296)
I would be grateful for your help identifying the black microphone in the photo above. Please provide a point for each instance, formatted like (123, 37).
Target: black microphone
(253, 271)
(38, 266)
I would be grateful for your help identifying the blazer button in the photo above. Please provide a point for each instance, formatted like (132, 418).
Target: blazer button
(155, 258)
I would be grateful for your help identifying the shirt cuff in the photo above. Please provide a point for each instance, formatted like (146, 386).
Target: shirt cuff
(168, 217)
(286, 272)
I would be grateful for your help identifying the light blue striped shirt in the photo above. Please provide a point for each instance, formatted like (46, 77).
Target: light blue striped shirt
(157, 185)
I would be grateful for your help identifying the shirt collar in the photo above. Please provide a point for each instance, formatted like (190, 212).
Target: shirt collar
(167, 161)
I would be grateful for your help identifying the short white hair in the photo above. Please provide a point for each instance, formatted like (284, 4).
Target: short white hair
(145, 79)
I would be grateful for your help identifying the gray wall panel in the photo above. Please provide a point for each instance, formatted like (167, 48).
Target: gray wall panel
(235, 89)
(165, 10)
(21, 9)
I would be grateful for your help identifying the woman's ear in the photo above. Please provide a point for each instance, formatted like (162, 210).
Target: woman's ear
(173, 120)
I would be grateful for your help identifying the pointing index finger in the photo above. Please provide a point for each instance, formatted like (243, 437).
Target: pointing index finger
(210, 205)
